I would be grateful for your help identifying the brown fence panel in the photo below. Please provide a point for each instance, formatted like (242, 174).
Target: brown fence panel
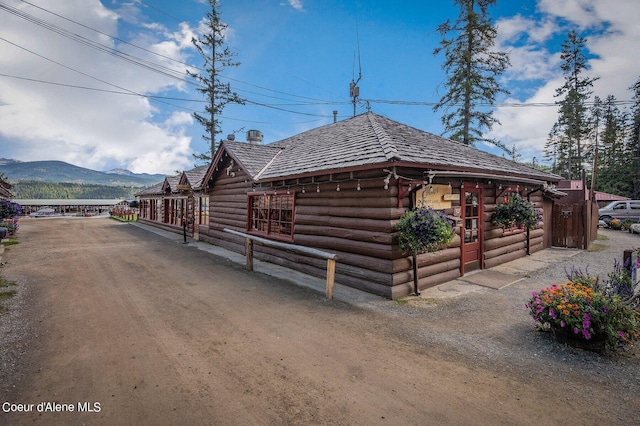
(568, 226)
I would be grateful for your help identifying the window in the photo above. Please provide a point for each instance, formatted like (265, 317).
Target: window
(202, 210)
(620, 206)
(634, 206)
(271, 214)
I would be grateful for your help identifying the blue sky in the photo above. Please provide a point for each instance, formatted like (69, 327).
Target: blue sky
(297, 58)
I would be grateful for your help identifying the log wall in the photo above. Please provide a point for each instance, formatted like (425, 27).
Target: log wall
(359, 226)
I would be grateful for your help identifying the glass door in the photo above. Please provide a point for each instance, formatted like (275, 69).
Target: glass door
(472, 221)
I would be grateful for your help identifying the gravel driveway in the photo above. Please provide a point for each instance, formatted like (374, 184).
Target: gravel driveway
(158, 332)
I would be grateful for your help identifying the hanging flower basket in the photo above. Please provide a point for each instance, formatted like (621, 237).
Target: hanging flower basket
(423, 230)
(516, 212)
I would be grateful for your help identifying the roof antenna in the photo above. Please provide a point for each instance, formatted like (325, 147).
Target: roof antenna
(354, 90)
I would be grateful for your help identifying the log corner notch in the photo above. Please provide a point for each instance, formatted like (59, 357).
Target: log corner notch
(402, 192)
(330, 257)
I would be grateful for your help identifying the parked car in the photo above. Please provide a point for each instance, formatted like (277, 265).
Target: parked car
(47, 212)
(623, 210)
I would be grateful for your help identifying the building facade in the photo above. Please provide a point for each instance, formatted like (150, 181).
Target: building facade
(343, 187)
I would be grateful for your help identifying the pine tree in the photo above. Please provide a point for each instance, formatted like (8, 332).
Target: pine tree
(572, 126)
(217, 57)
(613, 167)
(472, 69)
(634, 141)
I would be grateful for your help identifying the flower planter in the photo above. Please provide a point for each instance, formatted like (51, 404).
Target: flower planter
(566, 336)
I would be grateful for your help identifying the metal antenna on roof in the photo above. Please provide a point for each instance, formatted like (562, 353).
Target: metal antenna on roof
(354, 90)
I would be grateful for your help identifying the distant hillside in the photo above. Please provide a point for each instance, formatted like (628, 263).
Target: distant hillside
(59, 171)
(69, 191)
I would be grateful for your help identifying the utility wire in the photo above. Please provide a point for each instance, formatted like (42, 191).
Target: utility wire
(172, 73)
(133, 59)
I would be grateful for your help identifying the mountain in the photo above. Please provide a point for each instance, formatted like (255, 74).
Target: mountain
(59, 171)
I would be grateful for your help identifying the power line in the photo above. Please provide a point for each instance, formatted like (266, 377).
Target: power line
(172, 73)
(131, 58)
(151, 66)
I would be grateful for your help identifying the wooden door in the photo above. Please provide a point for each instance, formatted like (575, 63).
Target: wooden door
(568, 226)
(472, 228)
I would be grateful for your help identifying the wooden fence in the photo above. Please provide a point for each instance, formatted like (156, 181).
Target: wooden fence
(330, 257)
(574, 225)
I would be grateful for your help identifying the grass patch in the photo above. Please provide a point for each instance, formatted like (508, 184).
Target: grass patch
(602, 237)
(6, 294)
(4, 283)
(595, 247)
(9, 243)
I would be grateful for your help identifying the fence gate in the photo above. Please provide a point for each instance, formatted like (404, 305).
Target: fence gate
(568, 226)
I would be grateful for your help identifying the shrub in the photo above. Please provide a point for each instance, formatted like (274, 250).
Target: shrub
(615, 224)
(9, 209)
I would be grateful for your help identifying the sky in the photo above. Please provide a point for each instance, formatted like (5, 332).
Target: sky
(103, 85)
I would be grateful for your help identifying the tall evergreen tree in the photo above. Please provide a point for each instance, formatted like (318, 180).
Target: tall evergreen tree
(572, 126)
(217, 57)
(472, 68)
(634, 142)
(613, 167)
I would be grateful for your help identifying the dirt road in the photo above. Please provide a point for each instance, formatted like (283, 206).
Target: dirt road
(123, 326)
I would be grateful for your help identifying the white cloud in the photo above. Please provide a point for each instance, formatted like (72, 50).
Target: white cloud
(610, 28)
(90, 128)
(296, 4)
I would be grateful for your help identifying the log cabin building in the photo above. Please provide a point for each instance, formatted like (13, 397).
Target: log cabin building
(176, 202)
(343, 187)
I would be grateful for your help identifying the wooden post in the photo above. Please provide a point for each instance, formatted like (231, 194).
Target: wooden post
(249, 254)
(331, 272)
(414, 261)
(331, 257)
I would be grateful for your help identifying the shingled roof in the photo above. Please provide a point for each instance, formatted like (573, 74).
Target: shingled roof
(152, 190)
(194, 177)
(368, 139)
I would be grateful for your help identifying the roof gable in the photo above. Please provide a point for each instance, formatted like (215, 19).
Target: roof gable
(194, 177)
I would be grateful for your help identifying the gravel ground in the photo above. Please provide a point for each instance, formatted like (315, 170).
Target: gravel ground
(493, 329)
(484, 328)
(16, 331)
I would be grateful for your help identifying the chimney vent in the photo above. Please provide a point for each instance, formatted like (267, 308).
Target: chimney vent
(231, 137)
(254, 137)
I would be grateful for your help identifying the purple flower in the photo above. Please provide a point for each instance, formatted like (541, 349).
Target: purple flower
(552, 314)
(587, 321)
(562, 323)
(534, 293)
(606, 310)
(586, 334)
(576, 330)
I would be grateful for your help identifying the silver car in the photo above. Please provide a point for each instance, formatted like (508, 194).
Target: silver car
(623, 210)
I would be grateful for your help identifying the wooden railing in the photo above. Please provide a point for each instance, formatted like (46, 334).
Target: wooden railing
(330, 257)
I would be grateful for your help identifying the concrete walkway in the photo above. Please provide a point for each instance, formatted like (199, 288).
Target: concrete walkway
(496, 278)
(500, 276)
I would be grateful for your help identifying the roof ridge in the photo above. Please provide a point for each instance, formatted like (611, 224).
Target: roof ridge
(266, 166)
(389, 149)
